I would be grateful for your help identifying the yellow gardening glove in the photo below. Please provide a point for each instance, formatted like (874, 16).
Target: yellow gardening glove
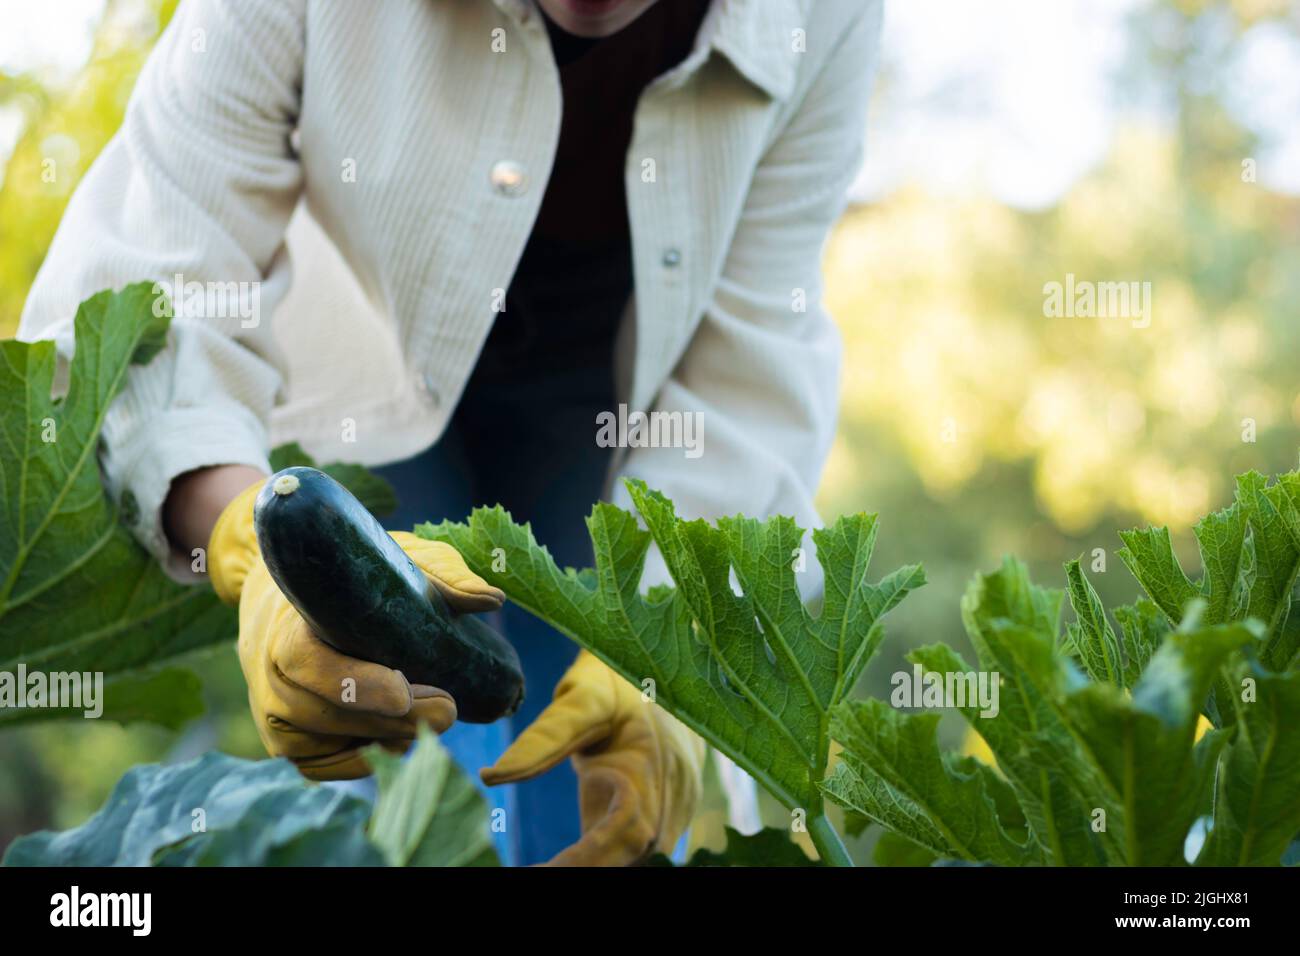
(639, 769)
(296, 681)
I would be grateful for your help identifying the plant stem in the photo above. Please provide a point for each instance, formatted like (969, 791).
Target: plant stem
(828, 843)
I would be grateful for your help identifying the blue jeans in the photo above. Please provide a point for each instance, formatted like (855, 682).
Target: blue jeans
(540, 461)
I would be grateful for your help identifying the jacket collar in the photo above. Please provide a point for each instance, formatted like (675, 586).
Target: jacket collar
(755, 36)
(758, 38)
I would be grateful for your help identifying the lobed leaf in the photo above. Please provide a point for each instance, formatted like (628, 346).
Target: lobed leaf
(1092, 637)
(1143, 628)
(1013, 625)
(77, 593)
(1257, 797)
(1274, 518)
(1153, 777)
(893, 773)
(755, 673)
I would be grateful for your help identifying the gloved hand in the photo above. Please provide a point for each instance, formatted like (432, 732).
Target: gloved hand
(301, 706)
(639, 769)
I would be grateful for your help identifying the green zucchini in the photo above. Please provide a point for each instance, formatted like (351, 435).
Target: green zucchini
(364, 597)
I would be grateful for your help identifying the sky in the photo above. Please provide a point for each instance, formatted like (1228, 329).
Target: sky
(986, 95)
(47, 34)
(1019, 98)
(1014, 98)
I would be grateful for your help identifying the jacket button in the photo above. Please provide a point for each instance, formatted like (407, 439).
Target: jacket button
(429, 388)
(672, 258)
(508, 178)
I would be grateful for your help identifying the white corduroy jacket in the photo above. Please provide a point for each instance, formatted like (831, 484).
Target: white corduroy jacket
(396, 153)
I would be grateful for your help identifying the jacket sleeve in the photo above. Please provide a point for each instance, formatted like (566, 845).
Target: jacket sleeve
(199, 182)
(762, 370)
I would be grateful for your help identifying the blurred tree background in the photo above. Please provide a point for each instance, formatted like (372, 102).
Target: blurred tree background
(973, 423)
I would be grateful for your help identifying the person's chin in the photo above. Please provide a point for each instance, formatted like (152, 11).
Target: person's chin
(592, 18)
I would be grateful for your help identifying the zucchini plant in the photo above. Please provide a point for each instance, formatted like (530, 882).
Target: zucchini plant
(1100, 754)
(756, 673)
(1156, 733)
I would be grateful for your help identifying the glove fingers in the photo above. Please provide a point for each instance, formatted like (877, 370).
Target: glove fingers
(447, 571)
(336, 758)
(296, 709)
(616, 830)
(308, 663)
(437, 710)
(316, 706)
(346, 764)
(567, 726)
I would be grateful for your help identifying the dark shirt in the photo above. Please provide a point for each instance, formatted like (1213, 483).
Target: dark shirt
(526, 420)
(575, 274)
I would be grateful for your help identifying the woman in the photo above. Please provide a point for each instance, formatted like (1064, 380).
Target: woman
(558, 210)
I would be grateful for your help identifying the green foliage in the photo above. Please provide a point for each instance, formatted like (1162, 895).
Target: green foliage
(77, 593)
(428, 812)
(170, 698)
(1270, 562)
(1096, 738)
(1250, 553)
(1257, 801)
(1136, 757)
(894, 850)
(67, 122)
(221, 811)
(1100, 758)
(1144, 629)
(252, 813)
(893, 773)
(1092, 637)
(754, 673)
(1013, 624)
(1096, 734)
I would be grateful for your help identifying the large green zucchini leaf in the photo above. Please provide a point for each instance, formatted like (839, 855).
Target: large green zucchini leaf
(1099, 738)
(1100, 775)
(1257, 799)
(893, 773)
(755, 673)
(77, 593)
(1250, 556)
